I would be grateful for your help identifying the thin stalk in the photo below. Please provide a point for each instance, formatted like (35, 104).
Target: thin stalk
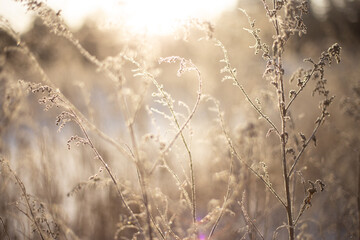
(177, 179)
(180, 132)
(227, 196)
(308, 77)
(146, 201)
(235, 153)
(279, 73)
(321, 119)
(293, 194)
(26, 196)
(180, 127)
(242, 89)
(139, 169)
(286, 177)
(141, 180)
(108, 170)
(157, 228)
(247, 218)
(269, 187)
(301, 211)
(6, 233)
(166, 225)
(283, 139)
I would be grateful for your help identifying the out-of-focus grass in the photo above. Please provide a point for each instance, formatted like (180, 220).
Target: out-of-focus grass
(74, 198)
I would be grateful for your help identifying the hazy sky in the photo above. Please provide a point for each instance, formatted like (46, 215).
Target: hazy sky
(153, 16)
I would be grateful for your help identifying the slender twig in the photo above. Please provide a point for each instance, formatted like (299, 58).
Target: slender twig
(318, 123)
(303, 85)
(277, 230)
(283, 138)
(99, 157)
(235, 153)
(5, 231)
(178, 182)
(26, 197)
(248, 220)
(242, 89)
(139, 169)
(268, 185)
(166, 224)
(302, 210)
(227, 196)
(157, 228)
(279, 77)
(180, 127)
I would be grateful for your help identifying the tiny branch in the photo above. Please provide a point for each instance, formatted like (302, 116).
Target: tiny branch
(248, 220)
(227, 196)
(26, 197)
(185, 65)
(310, 192)
(235, 153)
(318, 123)
(302, 86)
(3, 224)
(237, 83)
(108, 170)
(157, 228)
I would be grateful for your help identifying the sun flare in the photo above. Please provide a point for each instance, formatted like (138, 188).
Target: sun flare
(164, 16)
(152, 17)
(156, 17)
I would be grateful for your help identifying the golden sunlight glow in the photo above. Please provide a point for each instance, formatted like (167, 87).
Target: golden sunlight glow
(163, 16)
(154, 17)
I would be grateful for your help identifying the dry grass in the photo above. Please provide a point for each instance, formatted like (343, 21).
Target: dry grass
(140, 151)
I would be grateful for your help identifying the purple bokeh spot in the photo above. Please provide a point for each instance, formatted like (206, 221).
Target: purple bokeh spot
(202, 236)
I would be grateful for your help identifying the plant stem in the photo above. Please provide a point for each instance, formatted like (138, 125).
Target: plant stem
(283, 138)
(139, 168)
(227, 196)
(248, 166)
(307, 79)
(321, 119)
(108, 170)
(141, 175)
(27, 198)
(279, 72)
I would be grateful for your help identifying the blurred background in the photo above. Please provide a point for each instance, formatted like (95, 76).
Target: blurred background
(76, 207)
